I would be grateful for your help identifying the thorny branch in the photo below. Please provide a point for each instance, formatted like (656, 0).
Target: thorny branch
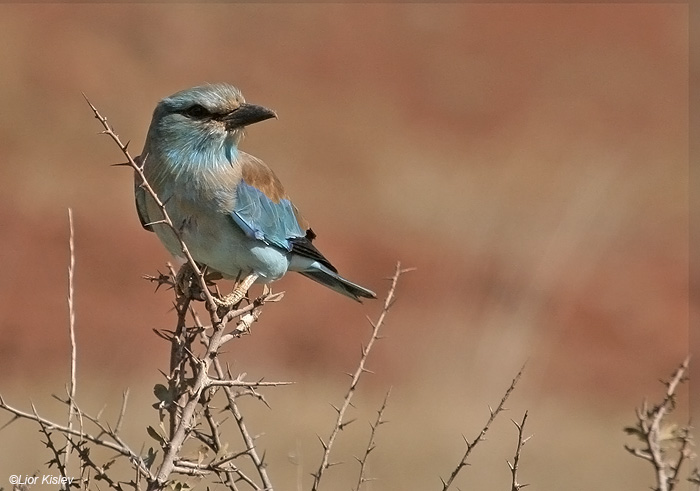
(473, 443)
(248, 439)
(72, 387)
(514, 484)
(371, 444)
(340, 423)
(115, 443)
(657, 438)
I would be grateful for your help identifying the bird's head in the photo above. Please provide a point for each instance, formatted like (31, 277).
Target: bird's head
(205, 115)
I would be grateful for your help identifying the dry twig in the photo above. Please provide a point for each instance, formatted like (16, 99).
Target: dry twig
(514, 484)
(371, 445)
(71, 332)
(113, 443)
(493, 413)
(340, 423)
(657, 438)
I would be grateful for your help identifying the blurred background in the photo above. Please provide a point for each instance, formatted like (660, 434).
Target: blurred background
(529, 160)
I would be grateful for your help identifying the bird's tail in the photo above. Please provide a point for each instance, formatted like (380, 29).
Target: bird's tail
(334, 281)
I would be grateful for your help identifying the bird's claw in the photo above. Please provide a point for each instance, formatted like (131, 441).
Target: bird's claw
(185, 284)
(238, 293)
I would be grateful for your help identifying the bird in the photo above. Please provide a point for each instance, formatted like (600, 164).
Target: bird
(227, 206)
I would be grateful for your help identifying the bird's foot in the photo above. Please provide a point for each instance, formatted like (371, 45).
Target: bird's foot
(238, 293)
(186, 283)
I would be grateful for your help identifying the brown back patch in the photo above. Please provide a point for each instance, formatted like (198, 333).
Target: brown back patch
(255, 173)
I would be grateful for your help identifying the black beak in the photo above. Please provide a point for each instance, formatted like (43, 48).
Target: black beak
(247, 114)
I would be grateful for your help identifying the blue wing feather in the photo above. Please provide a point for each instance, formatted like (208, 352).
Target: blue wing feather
(264, 219)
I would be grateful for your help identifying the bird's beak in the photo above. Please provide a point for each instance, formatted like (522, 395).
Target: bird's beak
(247, 114)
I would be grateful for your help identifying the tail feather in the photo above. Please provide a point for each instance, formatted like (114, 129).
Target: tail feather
(336, 282)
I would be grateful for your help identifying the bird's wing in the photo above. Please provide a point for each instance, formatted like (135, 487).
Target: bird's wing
(264, 211)
(140, 195)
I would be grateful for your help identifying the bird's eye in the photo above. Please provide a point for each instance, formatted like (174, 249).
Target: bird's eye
(196, 112)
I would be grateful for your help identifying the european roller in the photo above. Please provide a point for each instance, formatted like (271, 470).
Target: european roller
(229, 208)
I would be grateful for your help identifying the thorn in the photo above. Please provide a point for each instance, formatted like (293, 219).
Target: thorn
(15, 418)
(343, 425)
(89, 103)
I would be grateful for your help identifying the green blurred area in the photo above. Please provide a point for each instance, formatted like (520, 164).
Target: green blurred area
(529, 160)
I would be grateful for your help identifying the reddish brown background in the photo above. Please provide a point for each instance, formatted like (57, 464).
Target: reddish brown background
(529, 160)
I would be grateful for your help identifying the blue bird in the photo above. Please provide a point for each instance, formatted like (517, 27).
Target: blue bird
(229, 207)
